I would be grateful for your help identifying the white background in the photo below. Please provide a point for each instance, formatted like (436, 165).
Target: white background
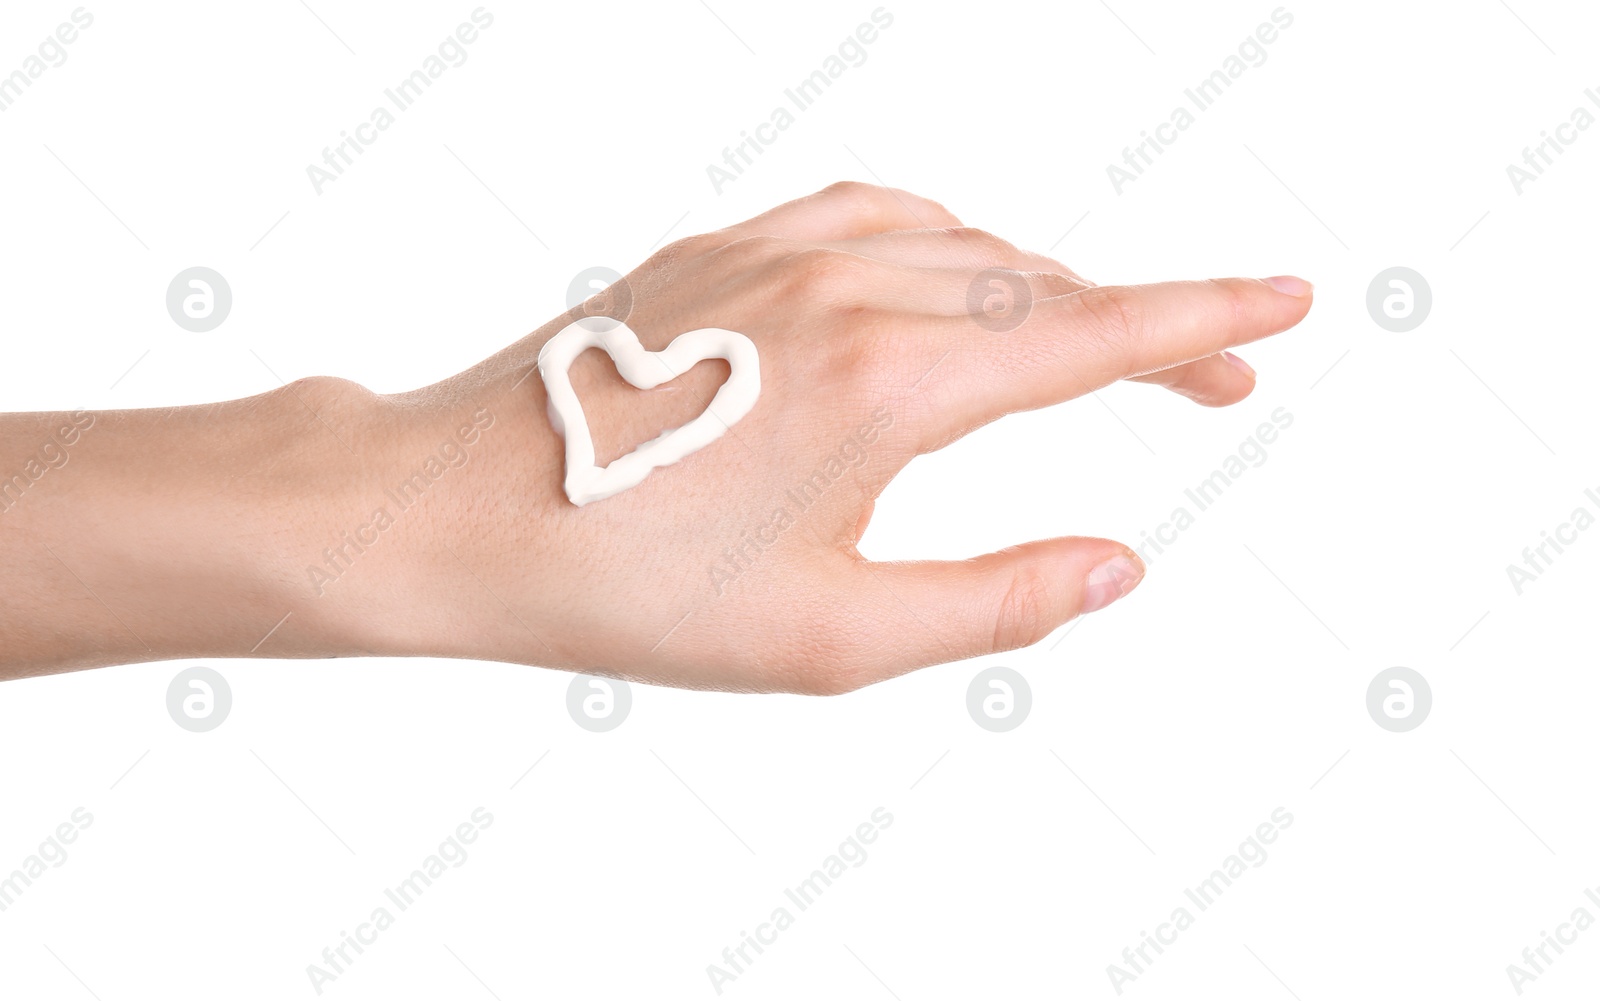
(1163, 731)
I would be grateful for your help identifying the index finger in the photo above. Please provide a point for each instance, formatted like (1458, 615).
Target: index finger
(1071, 345)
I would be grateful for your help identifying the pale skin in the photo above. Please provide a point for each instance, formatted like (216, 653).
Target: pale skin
(206, 532)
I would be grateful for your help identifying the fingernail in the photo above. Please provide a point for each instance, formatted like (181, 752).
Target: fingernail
(1110, 581)
(1239, 363)
(1290, 285)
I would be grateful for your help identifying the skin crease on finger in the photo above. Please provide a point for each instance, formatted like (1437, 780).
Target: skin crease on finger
(733, 569)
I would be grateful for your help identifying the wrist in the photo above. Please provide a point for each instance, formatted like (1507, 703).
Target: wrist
(416, 545)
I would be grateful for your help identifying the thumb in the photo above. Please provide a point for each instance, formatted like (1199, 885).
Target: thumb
(934, 612)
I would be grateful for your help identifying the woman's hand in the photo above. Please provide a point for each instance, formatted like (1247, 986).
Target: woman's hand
(736, 568)
(434, 522)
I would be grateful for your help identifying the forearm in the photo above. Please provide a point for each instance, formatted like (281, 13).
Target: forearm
(177, 533)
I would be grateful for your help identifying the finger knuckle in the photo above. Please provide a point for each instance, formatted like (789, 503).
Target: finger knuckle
(1023, 614)
(853, 190)
(1233, 297)
(1053, 284)
(942, 215)
(983, 242)
(861, 341)
(877, 206)
(900, 209)
(821, 273)
(1115, 316)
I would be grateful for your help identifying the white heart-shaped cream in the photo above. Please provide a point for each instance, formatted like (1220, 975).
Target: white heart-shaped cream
(586, 482)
